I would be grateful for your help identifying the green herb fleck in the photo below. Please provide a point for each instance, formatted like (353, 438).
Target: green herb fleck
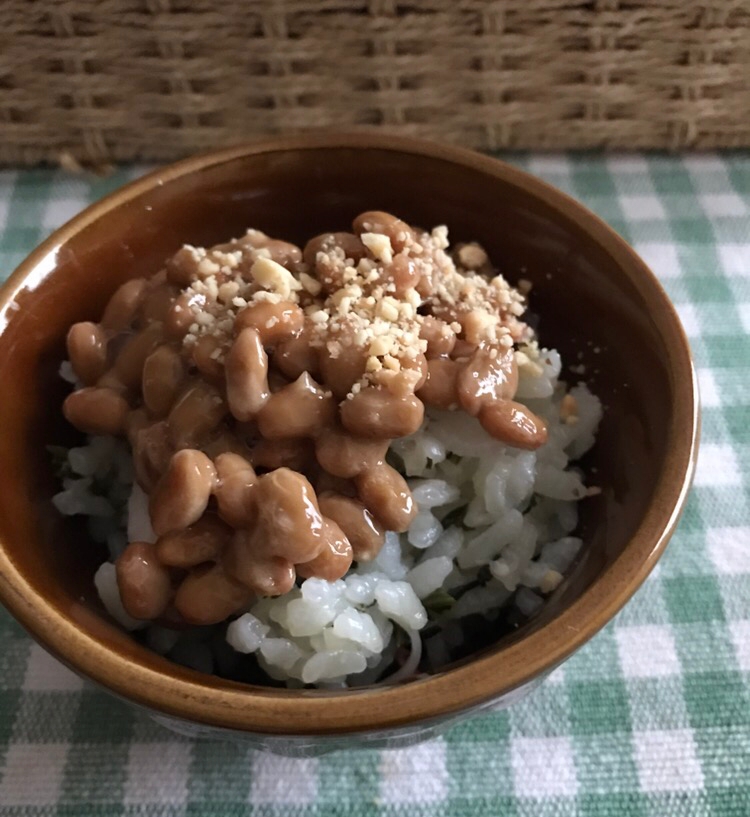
(439, 601)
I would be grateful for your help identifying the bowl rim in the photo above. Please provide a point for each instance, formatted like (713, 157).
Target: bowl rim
(192, 696)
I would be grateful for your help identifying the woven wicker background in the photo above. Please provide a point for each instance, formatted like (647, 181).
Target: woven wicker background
(103, 80)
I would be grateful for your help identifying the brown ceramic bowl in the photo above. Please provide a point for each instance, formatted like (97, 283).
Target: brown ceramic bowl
(595, 297)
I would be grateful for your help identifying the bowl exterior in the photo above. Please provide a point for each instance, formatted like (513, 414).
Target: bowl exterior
(290, 745)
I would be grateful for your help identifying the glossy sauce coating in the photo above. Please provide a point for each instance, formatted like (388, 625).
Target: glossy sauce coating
(260, 396)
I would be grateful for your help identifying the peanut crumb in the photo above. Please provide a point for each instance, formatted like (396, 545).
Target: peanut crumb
(472, 256)
(379, 245)
(569, 410)
(524, 286)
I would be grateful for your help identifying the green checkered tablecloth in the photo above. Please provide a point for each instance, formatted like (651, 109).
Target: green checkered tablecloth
(651, 718)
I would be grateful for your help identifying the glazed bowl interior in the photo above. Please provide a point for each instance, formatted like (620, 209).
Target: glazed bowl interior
(596, 303)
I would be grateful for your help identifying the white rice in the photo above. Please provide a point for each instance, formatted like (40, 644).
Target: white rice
(493, 526)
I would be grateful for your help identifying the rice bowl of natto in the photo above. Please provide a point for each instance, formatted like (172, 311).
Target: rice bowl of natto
(503, 532)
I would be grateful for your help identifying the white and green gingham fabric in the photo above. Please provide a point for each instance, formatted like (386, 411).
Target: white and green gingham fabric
(652, 717)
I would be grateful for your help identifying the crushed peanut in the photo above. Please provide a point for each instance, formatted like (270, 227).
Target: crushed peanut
(370, 308)
(472, 256)
(569, 410)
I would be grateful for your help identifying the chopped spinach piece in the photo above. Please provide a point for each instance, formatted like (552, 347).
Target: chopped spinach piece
(439, 601)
